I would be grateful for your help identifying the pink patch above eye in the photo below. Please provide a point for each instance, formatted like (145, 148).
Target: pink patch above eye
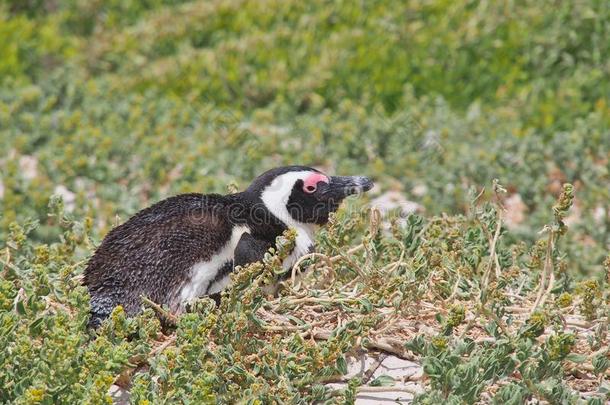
(310, 183)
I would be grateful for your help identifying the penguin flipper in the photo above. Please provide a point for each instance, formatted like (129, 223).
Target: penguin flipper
(250, 249)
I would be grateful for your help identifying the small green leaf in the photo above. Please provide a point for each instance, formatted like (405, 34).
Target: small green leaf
(576, 358)
(20, 307)
(366, 305)
(341, 365)
(383, 381)
(35, 326)
(601, 363)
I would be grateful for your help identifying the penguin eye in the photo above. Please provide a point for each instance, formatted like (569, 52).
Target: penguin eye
(310, 184)
(309, 189)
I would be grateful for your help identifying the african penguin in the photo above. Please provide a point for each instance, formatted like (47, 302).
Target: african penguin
(186, 246)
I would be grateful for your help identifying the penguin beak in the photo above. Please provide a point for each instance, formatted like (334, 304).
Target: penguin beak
(340, 187)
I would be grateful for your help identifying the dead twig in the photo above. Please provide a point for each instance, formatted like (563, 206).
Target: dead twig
(305, 257)
(351, 251)
(393, 388)
(164, 316)
(163, 345)
(548, 268)
(371, 370)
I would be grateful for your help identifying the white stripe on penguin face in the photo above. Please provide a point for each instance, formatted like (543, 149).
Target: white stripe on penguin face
(275, 197)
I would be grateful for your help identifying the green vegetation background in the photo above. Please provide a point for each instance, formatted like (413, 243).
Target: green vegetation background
(125, 102)
(116, 104)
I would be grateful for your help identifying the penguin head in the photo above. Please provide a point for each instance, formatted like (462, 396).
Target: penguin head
(305, 195)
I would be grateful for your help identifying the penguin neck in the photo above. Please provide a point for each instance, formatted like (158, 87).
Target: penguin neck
(267, 219)
(304, 243)
(276, 204)
(247, 209)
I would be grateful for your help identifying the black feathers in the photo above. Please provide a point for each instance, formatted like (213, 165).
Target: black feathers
(152, 252)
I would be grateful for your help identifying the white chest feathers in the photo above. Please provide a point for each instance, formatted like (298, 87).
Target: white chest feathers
(203, 275)
(303, 244)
